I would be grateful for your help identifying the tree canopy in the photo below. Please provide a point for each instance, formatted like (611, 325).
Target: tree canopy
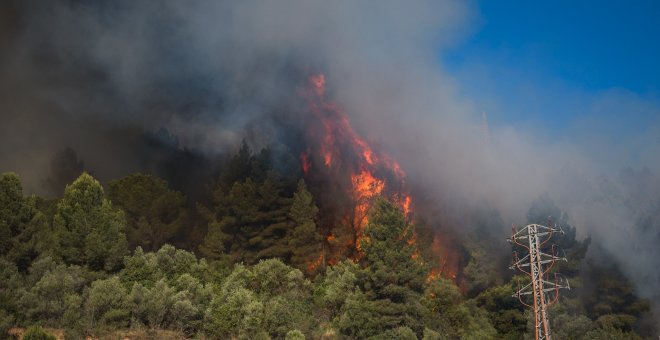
(97, 265)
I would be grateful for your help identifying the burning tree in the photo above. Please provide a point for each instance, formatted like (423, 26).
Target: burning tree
(349, 174)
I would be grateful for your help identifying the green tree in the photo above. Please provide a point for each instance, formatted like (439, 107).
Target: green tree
(167, 263)
(295, 335)
(191, 304)
(15, 212)
(11, 282)
(305, 241)
(608, 293)
(167, 288)
(24, 230)
(339, 282)
(488, 251)
(570, 327)
(154, 307)
(269, 298)
(177, 300)
(254, 224)
(47, 300)
(392, 280)
(238, 168)
(453, 316)
(35, 240)
(106, 303)
(388, 252)
(248, 219)
(610, 334)
(88, 230)
(155, 214)
(399, 333)
(238, 315)
(506, 313)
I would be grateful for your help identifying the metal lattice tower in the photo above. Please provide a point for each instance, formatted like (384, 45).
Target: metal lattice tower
(537, 265)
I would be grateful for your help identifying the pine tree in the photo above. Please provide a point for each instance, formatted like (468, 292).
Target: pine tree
(24, 230)
(305, 241)
(15, 212)
(88, 230)
(155, 214)
(388, 250)
(237, 169)
(251, 223)
(393, 281)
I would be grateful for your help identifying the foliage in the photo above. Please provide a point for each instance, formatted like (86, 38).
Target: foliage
(609, 292)
(37, 333)
(338, 283)
(610, 334)
(254, 225)
(504, 312)
(392, 281)
(23, 229)
(106, 303)
(168, 262)
(249, 218)
(305, 239)
(88, 230)
(15, 212)
(453, 315)
(155, 214)
(485, 247)
(295, 335)
(65, 264)
(270, 298)
(48, 299)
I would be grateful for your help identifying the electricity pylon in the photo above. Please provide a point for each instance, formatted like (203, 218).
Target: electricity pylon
(537, 265)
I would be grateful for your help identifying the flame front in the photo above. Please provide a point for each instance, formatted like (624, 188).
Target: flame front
(361, 174)
(365, 188)
(447, 261)
(345, 153)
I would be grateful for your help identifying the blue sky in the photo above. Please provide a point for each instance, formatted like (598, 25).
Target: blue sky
(562, 64)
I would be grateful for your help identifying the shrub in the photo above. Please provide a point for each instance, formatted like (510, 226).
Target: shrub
(37, 333)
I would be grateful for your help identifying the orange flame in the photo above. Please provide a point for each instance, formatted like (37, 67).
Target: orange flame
(447, 260)
(306, 163)
(371, 173)
(315, 264)
(362, 173)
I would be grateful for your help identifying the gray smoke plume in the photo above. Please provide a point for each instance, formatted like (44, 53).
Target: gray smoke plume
(137, 85)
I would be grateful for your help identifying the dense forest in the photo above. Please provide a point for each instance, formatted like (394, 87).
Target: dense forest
(136, 257)
(388, 147)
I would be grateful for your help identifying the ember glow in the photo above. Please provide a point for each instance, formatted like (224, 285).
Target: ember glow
(447, 261)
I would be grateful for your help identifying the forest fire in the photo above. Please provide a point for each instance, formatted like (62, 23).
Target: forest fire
(344, 152)
(448, 262)
(365, 173)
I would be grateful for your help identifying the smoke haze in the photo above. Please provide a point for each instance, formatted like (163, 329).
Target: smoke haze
(131, 86)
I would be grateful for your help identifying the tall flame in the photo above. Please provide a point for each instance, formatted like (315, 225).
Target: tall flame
(447, 261)
(368, 173)
(371, 173)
